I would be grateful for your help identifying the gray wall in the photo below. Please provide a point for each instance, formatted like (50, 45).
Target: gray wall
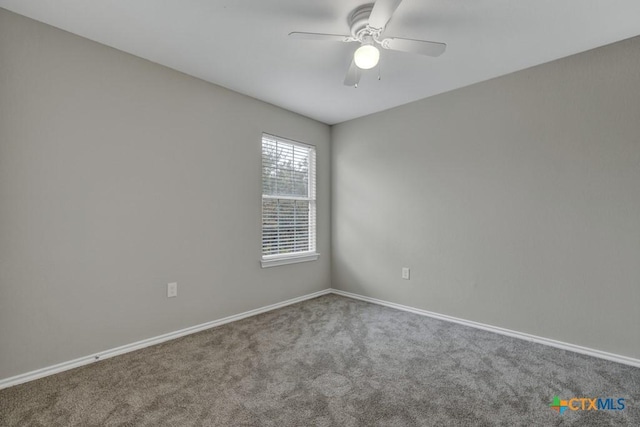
(515, 202)
(118, 176)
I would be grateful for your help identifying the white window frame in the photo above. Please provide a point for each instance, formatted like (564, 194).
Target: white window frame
(299, 256)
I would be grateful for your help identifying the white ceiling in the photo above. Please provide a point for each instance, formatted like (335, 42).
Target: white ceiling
(243, 44)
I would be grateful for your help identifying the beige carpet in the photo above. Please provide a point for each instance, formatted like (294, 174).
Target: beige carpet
(330, 361)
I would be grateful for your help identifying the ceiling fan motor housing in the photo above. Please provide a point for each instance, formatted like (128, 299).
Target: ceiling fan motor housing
(359, 21)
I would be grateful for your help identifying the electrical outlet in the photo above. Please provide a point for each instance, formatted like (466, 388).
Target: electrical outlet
(405, 273)
(172, 290)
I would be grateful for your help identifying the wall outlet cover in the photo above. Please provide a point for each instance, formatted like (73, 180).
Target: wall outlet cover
(172, 290)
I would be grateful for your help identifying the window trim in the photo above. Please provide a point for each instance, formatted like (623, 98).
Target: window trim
(275, 260)
(284, 259)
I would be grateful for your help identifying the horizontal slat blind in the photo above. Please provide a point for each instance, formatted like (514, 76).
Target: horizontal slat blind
(288, 197)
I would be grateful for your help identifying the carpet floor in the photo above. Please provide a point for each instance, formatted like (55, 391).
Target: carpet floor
(330, 361)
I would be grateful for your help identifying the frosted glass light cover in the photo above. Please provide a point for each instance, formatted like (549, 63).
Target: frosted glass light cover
(366, 56)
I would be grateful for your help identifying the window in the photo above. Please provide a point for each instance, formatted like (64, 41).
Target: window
(288, 201)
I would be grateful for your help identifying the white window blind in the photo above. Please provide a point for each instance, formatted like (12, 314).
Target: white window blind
(288, 198)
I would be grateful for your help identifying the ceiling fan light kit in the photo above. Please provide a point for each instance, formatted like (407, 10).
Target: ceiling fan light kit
(368, 23)
(367, 55)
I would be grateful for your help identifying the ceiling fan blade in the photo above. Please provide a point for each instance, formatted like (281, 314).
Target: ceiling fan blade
(381, 13)
(421, 47)
(321, 37)
(353, 75)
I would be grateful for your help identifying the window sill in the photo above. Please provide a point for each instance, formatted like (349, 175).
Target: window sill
(293, 259)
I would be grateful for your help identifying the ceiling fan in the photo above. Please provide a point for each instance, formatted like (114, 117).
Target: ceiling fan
(368, 23)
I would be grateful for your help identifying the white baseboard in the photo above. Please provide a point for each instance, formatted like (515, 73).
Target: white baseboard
(65, 366)
(502, 331)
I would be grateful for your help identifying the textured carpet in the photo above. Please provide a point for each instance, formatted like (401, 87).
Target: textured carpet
(330, 361)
